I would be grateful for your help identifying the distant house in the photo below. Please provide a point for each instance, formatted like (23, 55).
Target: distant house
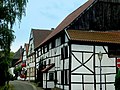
(23, 63)
(19, 62)
(36, 37)
(17, 58)
(25, 52)
(69, 56)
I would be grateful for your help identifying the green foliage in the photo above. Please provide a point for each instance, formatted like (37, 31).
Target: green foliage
(11, 55)
(9, 11)
(11, 58)
(17, 69)
(6, 87)
(12, 9)
(117, 81)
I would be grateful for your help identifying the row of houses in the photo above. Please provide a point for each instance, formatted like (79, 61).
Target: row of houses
(81, 53)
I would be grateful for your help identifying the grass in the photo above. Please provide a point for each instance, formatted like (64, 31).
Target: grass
(11, 87)
(7, 87)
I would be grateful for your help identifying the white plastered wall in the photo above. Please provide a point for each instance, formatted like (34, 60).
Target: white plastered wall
(83, 57)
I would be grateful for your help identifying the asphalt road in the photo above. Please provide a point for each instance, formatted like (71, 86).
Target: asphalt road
(22, 85)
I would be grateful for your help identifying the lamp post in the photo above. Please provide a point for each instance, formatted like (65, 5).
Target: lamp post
(100, 55)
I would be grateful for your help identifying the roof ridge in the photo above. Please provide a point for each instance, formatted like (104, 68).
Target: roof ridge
(69, 20)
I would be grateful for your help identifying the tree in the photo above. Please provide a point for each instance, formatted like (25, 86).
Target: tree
(10, 10)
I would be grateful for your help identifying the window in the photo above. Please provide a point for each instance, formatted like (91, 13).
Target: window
(50, 46)
(44, 64)
(58, 41)
(39, 52)
(62, 39)
(53, 44)
(47, 48)
(55, 77)
(49, 61)
(51, 76)
(62, 77)
(64, 52)
(43, 50)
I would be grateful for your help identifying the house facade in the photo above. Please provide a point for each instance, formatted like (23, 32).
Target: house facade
(25, 52)
(36, 36)
(17, 61)
(23, 64)
(69, 55)
(17, 58)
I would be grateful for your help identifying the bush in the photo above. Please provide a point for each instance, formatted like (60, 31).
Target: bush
(117, 81)
(6, 87)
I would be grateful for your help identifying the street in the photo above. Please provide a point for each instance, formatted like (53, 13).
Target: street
(22, 85)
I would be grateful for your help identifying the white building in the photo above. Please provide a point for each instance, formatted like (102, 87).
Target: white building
(69, 55)
(36, 37)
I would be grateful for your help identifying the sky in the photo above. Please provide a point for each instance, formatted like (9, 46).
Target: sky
(42, 14)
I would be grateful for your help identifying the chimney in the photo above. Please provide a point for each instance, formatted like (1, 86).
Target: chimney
(52, 28)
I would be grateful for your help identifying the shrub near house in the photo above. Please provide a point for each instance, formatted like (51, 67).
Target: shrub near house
(117, 81)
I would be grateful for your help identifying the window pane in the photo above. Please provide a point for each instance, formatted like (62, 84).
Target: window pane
(51, 76)
(62, 54)
(66, 52)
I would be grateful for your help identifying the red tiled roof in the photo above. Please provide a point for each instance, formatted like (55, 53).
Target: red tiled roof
(19, 61)
(69, 19)
(94, 36)
(18, 53)
(39, 36)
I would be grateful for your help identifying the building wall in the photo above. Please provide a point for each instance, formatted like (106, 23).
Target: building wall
(31, 59)
(50, 56)
(85, 68)
(84, 63)
(31, 68)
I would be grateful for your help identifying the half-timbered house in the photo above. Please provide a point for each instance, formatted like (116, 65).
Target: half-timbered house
(23, 64)
(36, 37)
(16, 62)
(69, 56)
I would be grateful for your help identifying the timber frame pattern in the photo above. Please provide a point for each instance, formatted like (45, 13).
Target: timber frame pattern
(94, 15)
(91, 71)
